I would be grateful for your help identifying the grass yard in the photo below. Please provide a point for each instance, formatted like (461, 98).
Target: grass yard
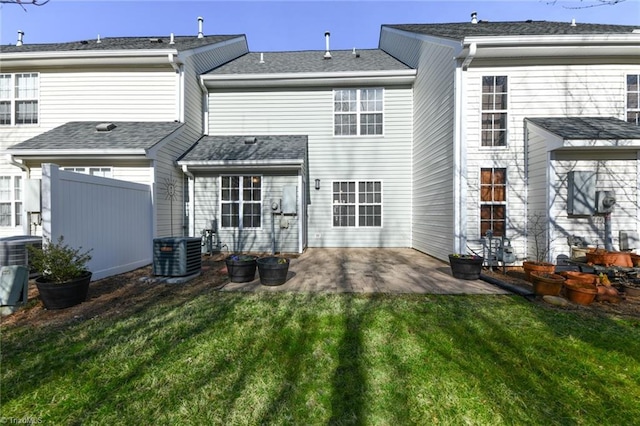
(306, 359)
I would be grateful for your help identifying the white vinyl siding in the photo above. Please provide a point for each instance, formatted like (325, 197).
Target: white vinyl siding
(433, 208)
(332, 158)
(93, 171)
(207, 206)
(117, 95)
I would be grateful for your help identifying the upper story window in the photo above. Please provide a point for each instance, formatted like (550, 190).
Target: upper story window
(633, 99)
(241, 201)
(357, 112)
(494, 111)
(19, 98)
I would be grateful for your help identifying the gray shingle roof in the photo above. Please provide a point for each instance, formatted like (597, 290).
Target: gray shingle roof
(588, 127)
(311, 61)
(121, 43)
(82, 135)
(459, 31)
(234, 148)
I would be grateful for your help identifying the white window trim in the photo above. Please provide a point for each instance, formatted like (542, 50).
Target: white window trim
(626, 93)
(358, 112)
(220, 202)
(506, 111)
(504, 203)
(357, 204)
(13, 100)
(12, 201)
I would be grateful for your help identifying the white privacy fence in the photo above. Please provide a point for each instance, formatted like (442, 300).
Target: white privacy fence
(112, 217)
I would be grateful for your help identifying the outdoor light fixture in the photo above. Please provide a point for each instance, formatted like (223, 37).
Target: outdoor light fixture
(317, 183)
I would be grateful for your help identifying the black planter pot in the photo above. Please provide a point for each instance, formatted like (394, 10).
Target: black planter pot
(273, 270)
(63, 295)
(466, 268)
(241, 270)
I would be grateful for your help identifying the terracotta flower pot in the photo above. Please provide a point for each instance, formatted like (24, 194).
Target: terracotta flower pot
(529, 267)
(635, 259)
(580, 293)
(580, 277)
(546, 284)
(609, 258)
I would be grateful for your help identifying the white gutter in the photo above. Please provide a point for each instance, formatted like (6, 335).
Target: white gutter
(57, 153)
(397, 77)
(86, 58)
(291, 165)
(467, 61)
(192, 204)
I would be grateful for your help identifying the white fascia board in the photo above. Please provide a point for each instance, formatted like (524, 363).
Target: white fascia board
(90, 57)
(385, 78)
(554, 46)
(602, 143)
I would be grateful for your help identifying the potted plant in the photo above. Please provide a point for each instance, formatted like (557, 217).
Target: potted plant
(466, 266)
(63, 279)
(538, 228)
(273, 270)
(241, 267)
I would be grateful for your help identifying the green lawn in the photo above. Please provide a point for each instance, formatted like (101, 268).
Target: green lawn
(300, 359)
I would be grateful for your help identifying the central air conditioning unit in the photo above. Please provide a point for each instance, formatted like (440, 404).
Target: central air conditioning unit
(14, 252)
(176, 256)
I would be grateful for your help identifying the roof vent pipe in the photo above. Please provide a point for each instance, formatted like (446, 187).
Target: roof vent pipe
(262, 58)
(573, 22)
(172, 39)
(474, 17)
(20, 35)
(250, 140)
(200, 21)
(98, 40)
(327, 53)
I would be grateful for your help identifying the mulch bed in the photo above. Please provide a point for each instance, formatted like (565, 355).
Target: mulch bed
(128, 293)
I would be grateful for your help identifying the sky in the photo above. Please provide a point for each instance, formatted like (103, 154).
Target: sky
(282, 25)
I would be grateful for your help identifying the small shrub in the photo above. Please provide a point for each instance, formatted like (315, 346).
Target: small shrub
(57, 262)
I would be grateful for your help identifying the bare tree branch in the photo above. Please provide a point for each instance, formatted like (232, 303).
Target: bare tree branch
(589, 3)
(22, 3)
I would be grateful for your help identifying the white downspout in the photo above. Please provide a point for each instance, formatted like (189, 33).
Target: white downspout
(192, 204)
(460, 184)
(178, 67)
(205, 106)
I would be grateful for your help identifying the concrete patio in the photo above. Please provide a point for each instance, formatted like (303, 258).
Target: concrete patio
(366, 270)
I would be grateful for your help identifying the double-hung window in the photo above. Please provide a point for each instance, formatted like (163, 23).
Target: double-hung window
(493, 201)
(241, 201)
(357, 112)
(19, 98)
(10, 201)
(93, 171)
(357, 204)
(494, 111)
(633, 99)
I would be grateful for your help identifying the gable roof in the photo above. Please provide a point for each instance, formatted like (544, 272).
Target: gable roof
(311, 61)
(244, 150)
(588, 128)
(460, 31)
(182, 43)
(82, 136)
